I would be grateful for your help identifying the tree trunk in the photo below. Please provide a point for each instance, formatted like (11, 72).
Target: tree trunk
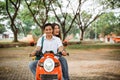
(81, 35)
(15, 31)
(15, 37)
(64, 36)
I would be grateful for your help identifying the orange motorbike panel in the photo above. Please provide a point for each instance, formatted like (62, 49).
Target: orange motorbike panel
(56, 71)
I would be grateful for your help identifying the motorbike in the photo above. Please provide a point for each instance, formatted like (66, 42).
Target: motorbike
(49, 67)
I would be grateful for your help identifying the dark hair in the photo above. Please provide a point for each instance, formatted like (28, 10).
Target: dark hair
(53, 26)
(47, 24)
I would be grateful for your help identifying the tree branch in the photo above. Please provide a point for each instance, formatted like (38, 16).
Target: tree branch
(56, 14)
(97, 16)
(28, 5)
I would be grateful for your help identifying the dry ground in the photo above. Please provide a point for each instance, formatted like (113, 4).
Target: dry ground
(98, 64)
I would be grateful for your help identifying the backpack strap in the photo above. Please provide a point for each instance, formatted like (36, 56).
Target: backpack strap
(40, 54)
(42, 43)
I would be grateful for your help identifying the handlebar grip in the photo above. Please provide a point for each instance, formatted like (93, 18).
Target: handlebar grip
(60, 54)
(30, 55)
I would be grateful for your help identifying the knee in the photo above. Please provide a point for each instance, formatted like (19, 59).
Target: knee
(30, 65)
(33, 64)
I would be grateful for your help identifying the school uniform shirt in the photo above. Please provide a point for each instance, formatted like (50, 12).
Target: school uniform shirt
(50, 45)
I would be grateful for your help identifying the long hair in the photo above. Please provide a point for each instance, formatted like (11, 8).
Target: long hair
(55, 24)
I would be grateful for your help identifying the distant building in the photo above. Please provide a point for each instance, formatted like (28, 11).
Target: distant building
(1, 36)
(111, 38)
(7, 34)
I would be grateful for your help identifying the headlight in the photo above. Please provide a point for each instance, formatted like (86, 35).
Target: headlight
(49, 65)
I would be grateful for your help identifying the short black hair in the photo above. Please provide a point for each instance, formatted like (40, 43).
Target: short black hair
(47, 24)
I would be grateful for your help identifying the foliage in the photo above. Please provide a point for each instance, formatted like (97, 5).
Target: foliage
(85, 16)
(111, 3)
(107, 23)
(12, 8)
(26, 21)
(64, 18)
(90, 33)
(74, 30)
(3, 13)
(38, 12)
(2, 29)
(36, 31)
(2, 8)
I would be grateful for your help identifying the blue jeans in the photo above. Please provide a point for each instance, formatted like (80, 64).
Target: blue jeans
(32, 66)
(63, 61)
(64, 65)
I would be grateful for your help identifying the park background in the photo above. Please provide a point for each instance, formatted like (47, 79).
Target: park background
(91, 28)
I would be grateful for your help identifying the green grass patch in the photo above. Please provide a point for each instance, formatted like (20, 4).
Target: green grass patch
(94, 46)
(115, 52)
(13, 44)
(12, 48)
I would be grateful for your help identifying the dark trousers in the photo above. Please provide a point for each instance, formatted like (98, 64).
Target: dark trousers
(64, 65)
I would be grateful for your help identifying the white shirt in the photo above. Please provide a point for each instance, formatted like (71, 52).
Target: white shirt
(50, 45)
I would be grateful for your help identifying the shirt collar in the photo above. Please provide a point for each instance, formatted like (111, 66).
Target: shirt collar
(53, 37)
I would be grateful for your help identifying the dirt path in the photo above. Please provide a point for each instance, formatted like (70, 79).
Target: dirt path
(94, 65)
(98, 64)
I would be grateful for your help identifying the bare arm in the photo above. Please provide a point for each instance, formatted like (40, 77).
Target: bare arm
(35, 50)
(61, 49)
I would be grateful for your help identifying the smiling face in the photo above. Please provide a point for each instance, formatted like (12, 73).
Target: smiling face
(48, 30)
(56, 30)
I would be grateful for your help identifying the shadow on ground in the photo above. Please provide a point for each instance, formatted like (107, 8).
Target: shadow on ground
(103, 76)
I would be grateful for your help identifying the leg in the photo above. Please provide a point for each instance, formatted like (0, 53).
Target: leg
(32, 66)
(64, 65)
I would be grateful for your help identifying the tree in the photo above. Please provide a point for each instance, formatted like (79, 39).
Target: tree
(108, 23)
(25, 21)
(39, 10)
(12, 8)
(64, 18)
(85, 19)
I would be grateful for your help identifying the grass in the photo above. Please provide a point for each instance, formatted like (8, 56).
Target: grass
(13, 44)
(73, 45)
(94, 46)
(115, 52)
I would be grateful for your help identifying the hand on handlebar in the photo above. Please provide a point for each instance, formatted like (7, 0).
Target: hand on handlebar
(64, 53)
(31, 55)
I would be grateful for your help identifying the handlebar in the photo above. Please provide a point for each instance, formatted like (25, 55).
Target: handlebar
(38, 53)
(60, 54)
